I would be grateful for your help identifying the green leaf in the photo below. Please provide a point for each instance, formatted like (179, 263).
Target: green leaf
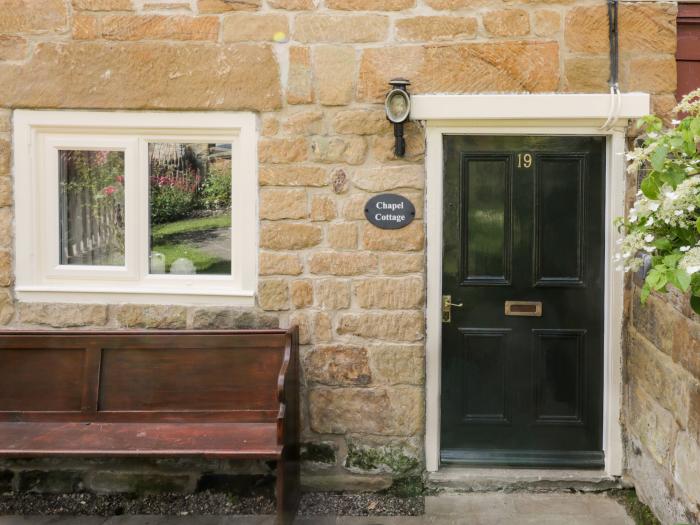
(663, 244)
(650, 188)
(673, 175)
(644, 295)
(695, 303)
(658, 158)
(672, 260)
(682, 280)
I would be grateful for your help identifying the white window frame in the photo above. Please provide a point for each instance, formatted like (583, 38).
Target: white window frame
(37, 137)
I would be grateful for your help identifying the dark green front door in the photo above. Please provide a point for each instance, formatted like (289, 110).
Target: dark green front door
(522, 359)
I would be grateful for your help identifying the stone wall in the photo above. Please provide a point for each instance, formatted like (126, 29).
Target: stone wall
(662, 406)
(316, 72)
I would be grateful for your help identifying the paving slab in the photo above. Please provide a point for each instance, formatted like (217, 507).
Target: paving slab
(479, 508)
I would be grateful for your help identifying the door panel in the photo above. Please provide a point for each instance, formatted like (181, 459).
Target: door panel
(523, 221)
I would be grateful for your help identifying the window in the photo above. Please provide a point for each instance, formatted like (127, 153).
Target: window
(135, 207)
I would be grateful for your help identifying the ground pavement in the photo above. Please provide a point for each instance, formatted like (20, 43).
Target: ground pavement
(457, 509)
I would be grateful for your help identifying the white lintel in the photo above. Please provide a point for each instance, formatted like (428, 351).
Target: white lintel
(540, 106)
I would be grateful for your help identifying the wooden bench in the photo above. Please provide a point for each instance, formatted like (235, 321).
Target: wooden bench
(214, 394)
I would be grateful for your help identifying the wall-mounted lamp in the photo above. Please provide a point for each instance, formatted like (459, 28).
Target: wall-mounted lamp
(398, 107)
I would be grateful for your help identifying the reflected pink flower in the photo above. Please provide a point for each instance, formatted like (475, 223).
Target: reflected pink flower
(101, 157)
(120, 179)
(109, 190)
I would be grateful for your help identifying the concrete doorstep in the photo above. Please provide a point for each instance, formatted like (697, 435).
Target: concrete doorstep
(444, 509)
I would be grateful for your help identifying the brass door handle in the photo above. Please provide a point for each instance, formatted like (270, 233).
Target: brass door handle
(447, 305)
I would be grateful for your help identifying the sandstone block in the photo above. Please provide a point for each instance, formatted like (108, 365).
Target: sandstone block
(452, 5)
(347, 149)
(656, 373)
(7, 306)
(292, 5)
(656, 321)
(5, 126)
(354, 206)
(342, 236)
(322, 208)
(342, 263)
(337, 365)
(289, 236)
(395, 264)
(408, 239)
(323, 328)
(85, 27)
(384, 411)
(304, 123)
(653, 424)
(159, 27)
(370, 5)
(124, 75)
(301, 319)
(686, 347)
(299, 78)
(151, 316)
(270, 126)
(283, 204)
(5, 192)
(646, 28)
(650, 75)
(392, 294)
(334, 72)
(397, 364)
(282, 151)
(33, 16)
(251, 27)
(273, 294)
(317, 28)
(5, 150)
(225, 6)
(13, 47)
(389, 178)
(547, 23)
(293, 176)
(474, 67)
(586, 74)
(60, 315)
(686, 472)
(212, 318)
(389, 326)
(5, 268)
(339, 181)
(5, 227)
(272, 263)
(332, 294)
(103, 5)
(302, 293)
(507, 22)
(435, 28)
(361, 122)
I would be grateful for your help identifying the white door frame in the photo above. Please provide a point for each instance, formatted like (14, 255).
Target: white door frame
(522, 114)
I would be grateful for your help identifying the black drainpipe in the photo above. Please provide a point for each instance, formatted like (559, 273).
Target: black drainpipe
(614, 44)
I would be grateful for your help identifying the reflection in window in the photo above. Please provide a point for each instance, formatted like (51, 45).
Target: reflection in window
(91, 197)
(190, 208)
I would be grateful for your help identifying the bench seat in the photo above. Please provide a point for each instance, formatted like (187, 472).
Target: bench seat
(90, 439)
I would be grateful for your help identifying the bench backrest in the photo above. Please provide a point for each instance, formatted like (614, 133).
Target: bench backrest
(142, 376)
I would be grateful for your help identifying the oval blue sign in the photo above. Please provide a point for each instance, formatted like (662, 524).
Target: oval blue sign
(390, 211)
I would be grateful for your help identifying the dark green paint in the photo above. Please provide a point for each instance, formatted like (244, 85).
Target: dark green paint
(523, 391)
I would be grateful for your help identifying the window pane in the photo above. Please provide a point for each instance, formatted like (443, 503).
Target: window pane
(91, 207)
(190, 208)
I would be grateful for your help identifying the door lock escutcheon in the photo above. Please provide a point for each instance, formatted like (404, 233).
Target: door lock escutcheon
(447, 305)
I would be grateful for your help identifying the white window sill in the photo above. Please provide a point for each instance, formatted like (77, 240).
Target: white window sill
(141, 295)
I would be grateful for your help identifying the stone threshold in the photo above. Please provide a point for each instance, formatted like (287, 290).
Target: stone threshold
(468, 479)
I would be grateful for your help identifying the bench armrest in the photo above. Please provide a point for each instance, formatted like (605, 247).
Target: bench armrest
(288, 391)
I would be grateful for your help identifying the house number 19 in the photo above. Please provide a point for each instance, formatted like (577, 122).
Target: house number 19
(524, 160)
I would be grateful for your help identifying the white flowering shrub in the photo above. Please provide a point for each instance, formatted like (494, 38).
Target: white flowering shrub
(665, 219)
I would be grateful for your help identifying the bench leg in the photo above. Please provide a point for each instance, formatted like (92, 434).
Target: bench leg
(288, 487)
